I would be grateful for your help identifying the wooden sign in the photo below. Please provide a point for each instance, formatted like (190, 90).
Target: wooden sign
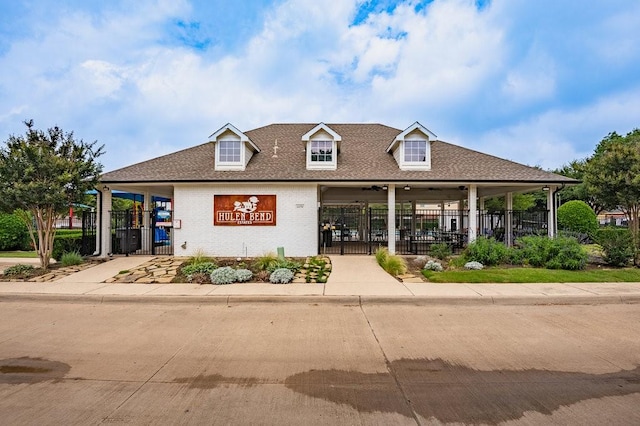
(244, 210)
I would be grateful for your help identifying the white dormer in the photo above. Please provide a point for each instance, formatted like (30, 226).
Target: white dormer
(322, 146)
(233, 148)
(412, 148)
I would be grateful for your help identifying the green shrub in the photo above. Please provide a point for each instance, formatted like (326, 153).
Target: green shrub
(441, 250)
(243, 275)
(285, 264)
(395, 265)
(514, 256)
(487, 251)
(617, 245)
(198, 257)
(553, 253)
(381, 255)
(14, 234)
(71, 258)
(266, 261)
(66, 243)
(534, 250)
(281, 276)
(199, 268)
(567, 254)
(433, 266)
(577, 216)
(224, 275)
(19, 269)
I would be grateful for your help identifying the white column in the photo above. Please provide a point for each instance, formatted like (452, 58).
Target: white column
(481, 224)
(551, 214)
(105, 218)
(413, 217)
(391, 218)
(473, 213)
(145, 233)
(508, 220)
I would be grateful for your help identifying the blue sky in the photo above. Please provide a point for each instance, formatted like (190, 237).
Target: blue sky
(538, 82)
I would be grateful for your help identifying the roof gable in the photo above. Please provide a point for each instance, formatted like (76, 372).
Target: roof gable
(409, 130)
(336, 137)
(231, 128)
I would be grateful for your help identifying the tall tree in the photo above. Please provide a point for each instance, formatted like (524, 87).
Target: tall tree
(575, 169)
(612, 176)
(41, 174)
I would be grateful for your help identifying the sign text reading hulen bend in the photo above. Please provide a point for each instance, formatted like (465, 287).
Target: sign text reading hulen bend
(244, 210)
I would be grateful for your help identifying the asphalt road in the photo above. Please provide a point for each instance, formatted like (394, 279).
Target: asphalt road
(294, 363)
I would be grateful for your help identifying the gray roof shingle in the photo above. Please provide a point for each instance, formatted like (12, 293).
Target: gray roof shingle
(362, 157)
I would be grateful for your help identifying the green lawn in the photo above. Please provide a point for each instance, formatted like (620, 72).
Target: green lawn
(20, 254)
(534, 275)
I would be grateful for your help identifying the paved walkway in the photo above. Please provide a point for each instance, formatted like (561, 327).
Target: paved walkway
(354, 279)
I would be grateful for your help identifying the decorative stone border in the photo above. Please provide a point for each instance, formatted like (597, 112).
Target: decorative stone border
(157, 270)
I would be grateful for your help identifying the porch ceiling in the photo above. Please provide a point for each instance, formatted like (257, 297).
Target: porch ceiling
(165, 191)
(417, 192)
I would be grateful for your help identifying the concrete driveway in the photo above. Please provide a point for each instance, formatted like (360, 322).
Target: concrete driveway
(319, 363)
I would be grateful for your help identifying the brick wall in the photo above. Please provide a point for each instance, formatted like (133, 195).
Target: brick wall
(296, 221)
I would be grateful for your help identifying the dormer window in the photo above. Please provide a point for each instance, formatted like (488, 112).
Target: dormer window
(233, 148)
(415, 151)
(412, 148)
(229, 151)
(322, 146)
(321, 151)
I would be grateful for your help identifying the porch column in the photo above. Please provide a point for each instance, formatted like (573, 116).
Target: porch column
(391, 218)
(413, 218)
(365, 228)
(481, 223)
(442, 218)
(473, 213)
(551, 213)
(105, 219)
(146, 222)
(508, 219)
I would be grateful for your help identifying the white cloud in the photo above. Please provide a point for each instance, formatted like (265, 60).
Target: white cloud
(555, 137)
(468, 74)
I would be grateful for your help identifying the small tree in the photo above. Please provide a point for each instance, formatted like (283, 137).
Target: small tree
(612, 175)
(41, 174)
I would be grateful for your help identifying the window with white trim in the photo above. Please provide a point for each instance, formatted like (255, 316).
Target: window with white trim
(229, 151)
(415, 151)
(321, 151)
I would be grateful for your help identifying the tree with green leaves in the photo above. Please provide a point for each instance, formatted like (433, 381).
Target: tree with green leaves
(41, 174)
(575, 170)
(612, 176)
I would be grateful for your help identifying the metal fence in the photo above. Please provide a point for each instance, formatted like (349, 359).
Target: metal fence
(356, 230)
(141, 232)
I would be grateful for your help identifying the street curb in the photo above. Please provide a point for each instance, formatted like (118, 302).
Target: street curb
(318, 300)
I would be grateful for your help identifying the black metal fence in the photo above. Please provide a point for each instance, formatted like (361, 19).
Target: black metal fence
(89, 231)
(142, 232)
(356, 230)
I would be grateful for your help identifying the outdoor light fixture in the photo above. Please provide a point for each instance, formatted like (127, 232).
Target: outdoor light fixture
(385, 187)
(407, 188)
(105, 188)
(545, 188)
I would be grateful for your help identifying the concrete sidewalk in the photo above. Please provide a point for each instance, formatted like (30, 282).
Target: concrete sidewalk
(354, 279)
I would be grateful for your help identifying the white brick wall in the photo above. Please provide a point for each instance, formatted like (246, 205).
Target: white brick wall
(296, 221)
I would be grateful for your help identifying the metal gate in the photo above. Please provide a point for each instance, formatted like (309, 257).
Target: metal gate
(345, 230)
(89, 230)
(142, 232)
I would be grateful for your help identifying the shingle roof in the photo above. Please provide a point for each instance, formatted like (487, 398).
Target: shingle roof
(362, 157)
